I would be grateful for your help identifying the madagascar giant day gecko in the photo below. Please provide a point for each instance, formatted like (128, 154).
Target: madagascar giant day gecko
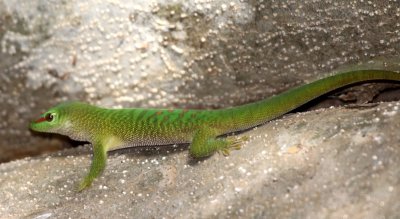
(109, 129)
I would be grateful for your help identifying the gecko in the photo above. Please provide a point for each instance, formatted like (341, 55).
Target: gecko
(205, 130)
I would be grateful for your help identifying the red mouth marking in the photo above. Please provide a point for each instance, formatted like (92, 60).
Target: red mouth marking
(41, 119)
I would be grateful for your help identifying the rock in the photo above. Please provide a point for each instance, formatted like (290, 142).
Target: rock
(188, 54)
(331, 163)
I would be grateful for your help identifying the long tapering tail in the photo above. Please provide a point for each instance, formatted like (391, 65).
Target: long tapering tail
(253, 114)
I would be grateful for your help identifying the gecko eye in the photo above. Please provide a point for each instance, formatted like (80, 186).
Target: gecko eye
(49, 117)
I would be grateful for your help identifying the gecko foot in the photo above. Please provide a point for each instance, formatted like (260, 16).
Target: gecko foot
(84, 184)
(233, 143)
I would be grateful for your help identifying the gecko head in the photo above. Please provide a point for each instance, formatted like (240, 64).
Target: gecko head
(55, 120)
(50, 121)
(63, 119)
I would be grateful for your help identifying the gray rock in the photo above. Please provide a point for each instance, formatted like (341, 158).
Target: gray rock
(191, 54)
(331, 163)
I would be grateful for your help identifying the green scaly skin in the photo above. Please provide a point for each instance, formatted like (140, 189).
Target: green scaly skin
(109, 129)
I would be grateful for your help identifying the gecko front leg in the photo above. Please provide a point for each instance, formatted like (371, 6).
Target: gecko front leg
(98, 164)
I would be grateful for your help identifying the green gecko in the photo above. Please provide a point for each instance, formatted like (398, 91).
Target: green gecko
(109, 129)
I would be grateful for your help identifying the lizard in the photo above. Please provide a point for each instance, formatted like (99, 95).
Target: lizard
(205, 130)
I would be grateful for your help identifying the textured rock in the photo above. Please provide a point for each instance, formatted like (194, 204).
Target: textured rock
(192, 54)
(332, 163)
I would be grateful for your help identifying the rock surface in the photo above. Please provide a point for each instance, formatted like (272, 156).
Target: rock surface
(191, 54)
(332, 163)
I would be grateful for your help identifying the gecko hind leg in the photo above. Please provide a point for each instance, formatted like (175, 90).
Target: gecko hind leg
(206, 143)
(98, 164)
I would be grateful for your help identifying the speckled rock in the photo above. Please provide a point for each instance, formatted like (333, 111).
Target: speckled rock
(192, 54)
(332, 163)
